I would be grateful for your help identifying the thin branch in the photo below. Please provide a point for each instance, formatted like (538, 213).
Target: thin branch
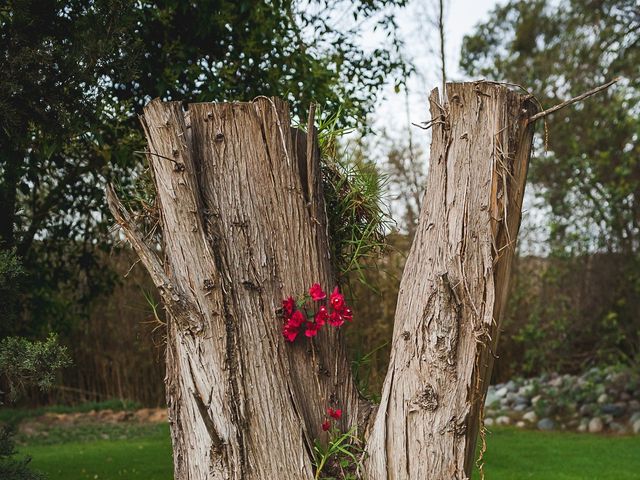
(177, 304)
(551, 110)
(147, 152)
(442, 53)
(147, 256)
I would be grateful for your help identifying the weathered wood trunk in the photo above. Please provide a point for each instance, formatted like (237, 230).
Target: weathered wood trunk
(244, 226)
(454, 286)
(240, 233)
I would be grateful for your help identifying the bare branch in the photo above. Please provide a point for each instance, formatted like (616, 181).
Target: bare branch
(551, 110)
(174, 301)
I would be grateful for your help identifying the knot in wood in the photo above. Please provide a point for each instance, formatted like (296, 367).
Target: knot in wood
(219, 137)
(208, 284)
(178, 167)
(406, 336)
(427, 398)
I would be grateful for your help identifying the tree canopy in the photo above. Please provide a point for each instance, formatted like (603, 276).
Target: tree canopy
(590, 175)
(76, 72)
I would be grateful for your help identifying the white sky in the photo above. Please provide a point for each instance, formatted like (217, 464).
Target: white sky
(422, 49)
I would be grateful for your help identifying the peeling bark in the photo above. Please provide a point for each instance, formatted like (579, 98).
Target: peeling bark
(242, 230)
(244, 226)
(454, 286)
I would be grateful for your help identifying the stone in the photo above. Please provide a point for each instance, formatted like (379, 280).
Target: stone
(556, 382)
(584, 425)
(635, 428)
(634, 418)
(488, 422)
(596, 425)
(502, 392)
(614, 409)
(520, 407)
(491, 397)
(587, 409)
(530, 417)
(511, 386)
(536, 399)
(527, 390)
(503, 420)
(603, 398)
(634, 405)
(618, 428)
(546, 424)
(521, 424)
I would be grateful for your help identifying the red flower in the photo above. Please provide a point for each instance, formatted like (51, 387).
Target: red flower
(290, 332)
(316, 292)
(337, 300)
(296, 319)
(288, 306)
(347, 314)
(334, 413)
(326, 425)
(312, 329)
(335, 319)
(322, 316)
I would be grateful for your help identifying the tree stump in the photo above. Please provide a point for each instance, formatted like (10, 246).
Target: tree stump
(244, 226)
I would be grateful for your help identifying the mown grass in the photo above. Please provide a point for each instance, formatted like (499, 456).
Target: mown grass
(144, 458)
(512, 455)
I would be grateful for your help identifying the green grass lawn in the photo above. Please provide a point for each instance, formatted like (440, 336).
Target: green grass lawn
(512, 454)
(147, 457)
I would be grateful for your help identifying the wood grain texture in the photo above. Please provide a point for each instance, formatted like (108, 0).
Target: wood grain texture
(244, 225)
(454, 286)
(240, 234)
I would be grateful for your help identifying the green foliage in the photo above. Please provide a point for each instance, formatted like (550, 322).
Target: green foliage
(362, 366)
(11, 276)
(12, 468)
(354, 192)
(24, 363)
(82, 70)
(341, 458)
(590, 175)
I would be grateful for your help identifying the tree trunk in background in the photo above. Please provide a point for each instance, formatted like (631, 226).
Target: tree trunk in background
(244, 226)
(454, 286)
(240, 234)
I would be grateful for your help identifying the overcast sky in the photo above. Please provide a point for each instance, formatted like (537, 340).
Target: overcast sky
(421, 48)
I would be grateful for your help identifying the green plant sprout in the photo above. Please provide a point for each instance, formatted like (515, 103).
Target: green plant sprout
(342, 456)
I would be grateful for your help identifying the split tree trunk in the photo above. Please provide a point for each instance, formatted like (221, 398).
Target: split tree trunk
(240, 234)
(244, 226)
(454, 286)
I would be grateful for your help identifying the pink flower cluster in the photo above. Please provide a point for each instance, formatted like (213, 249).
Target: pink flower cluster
(335, 414)
(296, 319)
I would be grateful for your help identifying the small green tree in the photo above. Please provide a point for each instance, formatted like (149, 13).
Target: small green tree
(24, 363)
(588, 173)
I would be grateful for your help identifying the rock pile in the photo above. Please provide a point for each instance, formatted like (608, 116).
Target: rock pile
(601, 400)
